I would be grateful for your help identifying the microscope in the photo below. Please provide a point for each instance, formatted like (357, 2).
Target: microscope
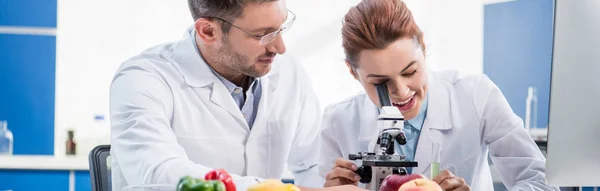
(384, 161)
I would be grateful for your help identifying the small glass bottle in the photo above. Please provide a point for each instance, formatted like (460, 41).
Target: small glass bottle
(70, 144)
(6, 139)
(531, 108)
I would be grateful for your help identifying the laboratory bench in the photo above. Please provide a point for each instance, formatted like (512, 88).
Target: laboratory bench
(61, 173)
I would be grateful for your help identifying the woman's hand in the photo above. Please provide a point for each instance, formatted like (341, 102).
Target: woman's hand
(449, 182)
(342, 173)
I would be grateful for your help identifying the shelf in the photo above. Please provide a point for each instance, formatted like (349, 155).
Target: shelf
(44, 162)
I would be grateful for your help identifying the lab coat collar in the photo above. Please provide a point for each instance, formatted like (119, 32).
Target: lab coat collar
(194, 69)
(368, 121)
(197, 74)
(438, 108)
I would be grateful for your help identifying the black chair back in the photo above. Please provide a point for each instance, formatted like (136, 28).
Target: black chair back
(100, 168)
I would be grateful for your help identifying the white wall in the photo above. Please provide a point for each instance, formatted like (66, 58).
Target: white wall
(453, 33)
(94, 37)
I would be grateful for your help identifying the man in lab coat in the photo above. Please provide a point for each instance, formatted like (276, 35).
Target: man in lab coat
(218, 98)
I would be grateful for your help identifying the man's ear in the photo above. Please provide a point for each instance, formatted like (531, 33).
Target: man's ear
(352, 70)
(207, 30)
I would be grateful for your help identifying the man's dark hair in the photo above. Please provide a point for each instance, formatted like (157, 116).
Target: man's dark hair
(228, 10)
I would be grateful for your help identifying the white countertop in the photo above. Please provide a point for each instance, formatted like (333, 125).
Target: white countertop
(44, 162)
(47, 162)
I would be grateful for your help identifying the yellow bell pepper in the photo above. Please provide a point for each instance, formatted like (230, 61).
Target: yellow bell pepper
(273, 185)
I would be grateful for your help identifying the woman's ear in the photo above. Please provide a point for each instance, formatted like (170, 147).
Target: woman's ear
(352, 70)
(208, 32)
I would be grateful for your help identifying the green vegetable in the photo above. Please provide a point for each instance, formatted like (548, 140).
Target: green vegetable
(188, 183)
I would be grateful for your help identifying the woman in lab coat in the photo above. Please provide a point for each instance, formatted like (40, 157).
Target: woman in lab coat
(466, 114)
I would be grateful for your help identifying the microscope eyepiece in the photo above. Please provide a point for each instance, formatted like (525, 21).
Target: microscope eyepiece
(383, 95)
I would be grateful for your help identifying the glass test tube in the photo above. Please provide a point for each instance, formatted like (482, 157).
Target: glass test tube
(435, 160)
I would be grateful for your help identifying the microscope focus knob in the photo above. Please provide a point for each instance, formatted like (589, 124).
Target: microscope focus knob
(354, 156)
(365, 174)
(400, 171)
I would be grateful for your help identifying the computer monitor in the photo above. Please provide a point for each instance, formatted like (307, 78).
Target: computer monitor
(573, 157)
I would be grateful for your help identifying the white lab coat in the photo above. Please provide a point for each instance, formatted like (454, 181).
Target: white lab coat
(171, 117)
(467, 115)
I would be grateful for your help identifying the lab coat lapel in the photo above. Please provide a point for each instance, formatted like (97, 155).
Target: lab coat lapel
(198, 74)
(368, 123)
(268, 84)
(262, 115)
(222, 98)
(437, 121)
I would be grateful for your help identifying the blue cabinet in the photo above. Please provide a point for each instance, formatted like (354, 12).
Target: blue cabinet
(82, 181)
(27, 73)
(27, 91)
(46, 180)
(29, 13)
(25, 180)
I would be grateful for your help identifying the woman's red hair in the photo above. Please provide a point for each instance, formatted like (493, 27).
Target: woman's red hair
(374, 24)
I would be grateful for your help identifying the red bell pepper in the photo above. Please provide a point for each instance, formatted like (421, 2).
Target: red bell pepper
(223, 176)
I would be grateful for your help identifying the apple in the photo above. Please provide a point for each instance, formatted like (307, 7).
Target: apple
(420, 185)
(394, 181)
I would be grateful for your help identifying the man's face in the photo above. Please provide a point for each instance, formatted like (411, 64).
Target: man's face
(241, 49)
